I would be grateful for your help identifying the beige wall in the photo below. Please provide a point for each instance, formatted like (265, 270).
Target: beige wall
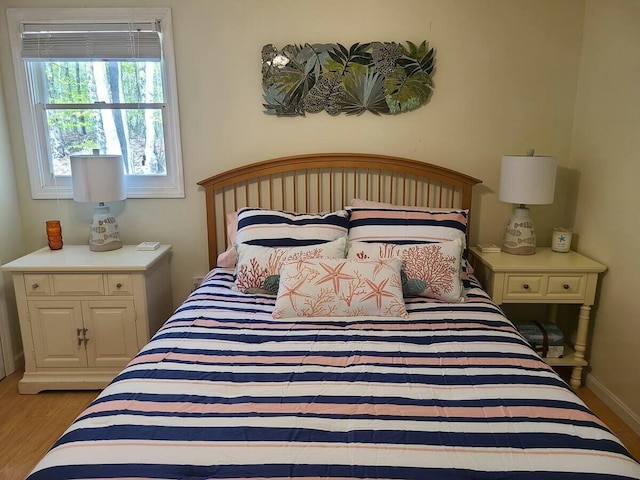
(10, 246)
(605, 148)
(506, 75)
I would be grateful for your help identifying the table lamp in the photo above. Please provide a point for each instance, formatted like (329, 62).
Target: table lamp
(99, 179)
(525, 180)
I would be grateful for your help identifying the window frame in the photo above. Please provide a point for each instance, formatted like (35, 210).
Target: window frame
(45, 185)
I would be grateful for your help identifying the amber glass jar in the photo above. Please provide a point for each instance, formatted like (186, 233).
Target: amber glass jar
(54, 234)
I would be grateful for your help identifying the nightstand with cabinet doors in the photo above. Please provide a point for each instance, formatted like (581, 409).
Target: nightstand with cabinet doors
(547, 277)
(84, 315)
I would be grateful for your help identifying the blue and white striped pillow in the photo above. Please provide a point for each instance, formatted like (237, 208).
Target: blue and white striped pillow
(399, 226)
(274, 228)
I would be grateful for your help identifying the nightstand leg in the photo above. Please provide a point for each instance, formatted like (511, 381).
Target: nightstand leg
(581, 344)
(583, 331)
(576, 378)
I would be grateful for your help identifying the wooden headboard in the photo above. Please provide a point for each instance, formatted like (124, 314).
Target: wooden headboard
(326, 182)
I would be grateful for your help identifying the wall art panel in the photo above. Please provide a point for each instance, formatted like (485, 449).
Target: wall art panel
(378, 77)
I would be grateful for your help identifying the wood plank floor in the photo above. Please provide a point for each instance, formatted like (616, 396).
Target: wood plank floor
(32, 423)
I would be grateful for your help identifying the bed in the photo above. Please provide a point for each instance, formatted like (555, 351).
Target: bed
(245, 381)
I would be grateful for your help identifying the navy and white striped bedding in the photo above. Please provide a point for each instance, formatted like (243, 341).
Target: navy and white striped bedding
(224, 391)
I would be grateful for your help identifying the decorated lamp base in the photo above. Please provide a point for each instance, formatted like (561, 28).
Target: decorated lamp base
(520, 235)
(104, 234)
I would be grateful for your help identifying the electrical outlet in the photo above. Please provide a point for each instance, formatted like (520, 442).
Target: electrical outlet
(195, 282)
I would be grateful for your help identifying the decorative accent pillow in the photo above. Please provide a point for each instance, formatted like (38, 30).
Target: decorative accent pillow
(274, 228)
(258, 267)
(430, 270)
(330, 287)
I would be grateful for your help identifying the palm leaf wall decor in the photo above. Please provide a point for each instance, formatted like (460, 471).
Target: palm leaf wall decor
(378, 77)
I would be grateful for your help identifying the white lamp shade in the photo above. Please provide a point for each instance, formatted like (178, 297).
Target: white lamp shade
(97, 178)
(527, 179)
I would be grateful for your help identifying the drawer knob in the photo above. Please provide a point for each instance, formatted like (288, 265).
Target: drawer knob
(118, 285)
(34, 286)
(566, 286)
(525, 286)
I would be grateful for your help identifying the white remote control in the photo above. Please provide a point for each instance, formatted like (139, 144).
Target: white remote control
(148, 246)
(488, 248)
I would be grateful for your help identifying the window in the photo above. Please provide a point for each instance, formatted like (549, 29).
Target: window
(98, 78)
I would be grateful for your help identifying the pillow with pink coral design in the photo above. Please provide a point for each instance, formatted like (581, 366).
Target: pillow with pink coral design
(336, 287)
(428, 269)
(258, 267)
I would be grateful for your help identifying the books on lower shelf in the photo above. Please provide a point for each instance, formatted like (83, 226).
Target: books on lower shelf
(545, 337)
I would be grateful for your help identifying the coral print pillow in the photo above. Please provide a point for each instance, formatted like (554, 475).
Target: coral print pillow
(429, 270)
(258, 267)
(340, 288)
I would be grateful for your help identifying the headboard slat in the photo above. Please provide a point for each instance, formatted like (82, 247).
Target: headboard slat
(400, 175)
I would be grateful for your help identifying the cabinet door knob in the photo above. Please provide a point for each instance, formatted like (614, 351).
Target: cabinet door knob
(34, 286)
(566, 286)
(118, 285)
(79, 333)
(525, 286)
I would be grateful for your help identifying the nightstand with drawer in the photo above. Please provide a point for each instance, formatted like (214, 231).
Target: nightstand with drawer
(547, 277)
(84, 315)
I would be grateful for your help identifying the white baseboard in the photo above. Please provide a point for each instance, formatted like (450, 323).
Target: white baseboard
(614, 403)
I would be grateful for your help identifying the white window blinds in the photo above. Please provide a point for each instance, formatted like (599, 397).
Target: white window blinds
(91, 41)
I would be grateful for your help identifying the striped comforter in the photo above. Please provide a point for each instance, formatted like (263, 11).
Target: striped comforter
(224, 391)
